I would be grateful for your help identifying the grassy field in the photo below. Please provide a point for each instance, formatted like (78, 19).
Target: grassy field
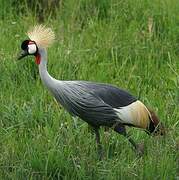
(131, 44)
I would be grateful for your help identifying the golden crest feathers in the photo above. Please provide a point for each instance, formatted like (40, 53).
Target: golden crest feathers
(42, 36)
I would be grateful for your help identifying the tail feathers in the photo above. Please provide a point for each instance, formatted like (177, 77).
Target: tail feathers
(135, 114)
(154, 117)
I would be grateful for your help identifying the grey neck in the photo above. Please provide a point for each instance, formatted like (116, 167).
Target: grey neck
(47, 80)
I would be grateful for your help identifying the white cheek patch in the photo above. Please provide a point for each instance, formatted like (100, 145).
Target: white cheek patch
(32, 48)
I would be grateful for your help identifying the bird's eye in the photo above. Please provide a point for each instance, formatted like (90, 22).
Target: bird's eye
(32, 48)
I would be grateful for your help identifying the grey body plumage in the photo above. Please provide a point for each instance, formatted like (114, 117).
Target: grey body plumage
(92, 102)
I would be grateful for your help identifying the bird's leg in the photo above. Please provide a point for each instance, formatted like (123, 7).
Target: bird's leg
(131, 140)
(99, 146)
(120, 128)
(75, 122)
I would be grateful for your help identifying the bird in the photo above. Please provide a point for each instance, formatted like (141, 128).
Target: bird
(98, 104)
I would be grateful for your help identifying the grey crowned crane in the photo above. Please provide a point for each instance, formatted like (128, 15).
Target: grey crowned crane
(96, 103)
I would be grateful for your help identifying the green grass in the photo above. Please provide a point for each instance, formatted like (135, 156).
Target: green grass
(107, 41)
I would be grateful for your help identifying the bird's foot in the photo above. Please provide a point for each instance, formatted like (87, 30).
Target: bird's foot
(140, 149)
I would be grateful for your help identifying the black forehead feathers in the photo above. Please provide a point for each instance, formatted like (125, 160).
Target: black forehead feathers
(24, 44)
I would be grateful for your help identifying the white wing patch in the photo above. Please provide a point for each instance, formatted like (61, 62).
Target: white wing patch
(135, 114)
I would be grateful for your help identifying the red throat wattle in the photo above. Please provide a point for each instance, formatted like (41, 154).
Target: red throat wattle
(37, 59)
